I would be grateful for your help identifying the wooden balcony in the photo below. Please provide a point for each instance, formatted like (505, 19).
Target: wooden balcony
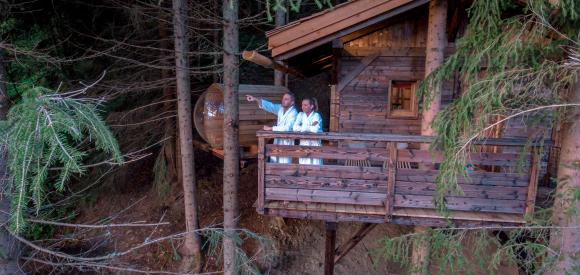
(365, 178)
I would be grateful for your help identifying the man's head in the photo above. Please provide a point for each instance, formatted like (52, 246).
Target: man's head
(288, 100)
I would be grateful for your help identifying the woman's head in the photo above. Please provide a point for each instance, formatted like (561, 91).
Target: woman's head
(309, 104)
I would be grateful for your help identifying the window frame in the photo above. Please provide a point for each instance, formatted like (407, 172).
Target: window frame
(414, 112)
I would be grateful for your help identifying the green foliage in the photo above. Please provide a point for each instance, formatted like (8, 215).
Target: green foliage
(245, 264)
(507, 64)
(450, 248)
(45, 134)
(276, 5)
(32, 67)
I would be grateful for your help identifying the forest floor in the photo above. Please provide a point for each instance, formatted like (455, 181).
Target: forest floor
(299, 244)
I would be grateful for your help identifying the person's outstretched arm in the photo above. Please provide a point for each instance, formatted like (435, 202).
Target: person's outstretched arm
(265, 104)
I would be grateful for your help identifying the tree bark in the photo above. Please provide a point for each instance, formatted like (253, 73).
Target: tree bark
(231, 133)
(434, 57)
(192, 240)
(9, 247)
(279, 20)
(566, 240)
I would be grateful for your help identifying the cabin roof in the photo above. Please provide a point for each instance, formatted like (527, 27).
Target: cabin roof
(323, 27)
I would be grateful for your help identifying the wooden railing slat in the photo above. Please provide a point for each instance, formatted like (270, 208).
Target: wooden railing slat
(325, 183)
(393, 138)
(462, 204)
(330, 171)
(326, 152)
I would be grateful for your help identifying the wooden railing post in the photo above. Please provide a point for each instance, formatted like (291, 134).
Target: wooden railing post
(533, 184)
(261, 174)
(392, 166)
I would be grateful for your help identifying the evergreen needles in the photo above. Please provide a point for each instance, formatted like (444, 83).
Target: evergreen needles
(507, 64)
(45, 135)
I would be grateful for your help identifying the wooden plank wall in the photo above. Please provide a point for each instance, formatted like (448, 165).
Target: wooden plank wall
(364, 101)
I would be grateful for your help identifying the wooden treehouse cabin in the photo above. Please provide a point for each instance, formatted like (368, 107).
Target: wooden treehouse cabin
(376, 166)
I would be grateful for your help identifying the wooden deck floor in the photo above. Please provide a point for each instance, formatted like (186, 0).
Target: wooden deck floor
(377, 214)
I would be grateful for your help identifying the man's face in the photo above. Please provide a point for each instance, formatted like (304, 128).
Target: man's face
(287, 101)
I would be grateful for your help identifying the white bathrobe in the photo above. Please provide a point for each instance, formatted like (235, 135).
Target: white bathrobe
(284, 124)
(304, 123)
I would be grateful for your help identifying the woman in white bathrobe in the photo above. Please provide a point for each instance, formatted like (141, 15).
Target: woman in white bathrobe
(309, 121)
(286, 114)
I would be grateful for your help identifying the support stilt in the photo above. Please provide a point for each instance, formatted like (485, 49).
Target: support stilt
(342, 250)
(329, 248)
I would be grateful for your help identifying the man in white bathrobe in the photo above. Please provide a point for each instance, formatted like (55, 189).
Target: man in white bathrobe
(286, 113)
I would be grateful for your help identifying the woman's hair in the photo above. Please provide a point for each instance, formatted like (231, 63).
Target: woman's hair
(313, 102)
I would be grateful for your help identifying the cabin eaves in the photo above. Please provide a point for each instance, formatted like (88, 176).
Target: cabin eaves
(323, 27)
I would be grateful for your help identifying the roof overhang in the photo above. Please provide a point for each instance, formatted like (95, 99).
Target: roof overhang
(321, 28)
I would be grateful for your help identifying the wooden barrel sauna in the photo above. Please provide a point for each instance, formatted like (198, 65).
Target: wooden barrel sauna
(209, 108)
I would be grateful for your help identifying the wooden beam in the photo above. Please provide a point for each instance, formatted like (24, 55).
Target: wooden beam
(266, 62)
(261, 187)
(533, 184)
(365, 62)
(334, 109)
(392, 51)
(393, 137)
(329, 248)
(342, 250)
(392, 166)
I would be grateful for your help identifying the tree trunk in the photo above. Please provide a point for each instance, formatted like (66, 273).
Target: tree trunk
(9, 247)
(231, 132)
(169, 148)
(192, 241)
(279, 20)
(434, 57)
(566, 240)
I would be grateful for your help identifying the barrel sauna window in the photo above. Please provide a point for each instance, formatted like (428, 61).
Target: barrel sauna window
(403, 99)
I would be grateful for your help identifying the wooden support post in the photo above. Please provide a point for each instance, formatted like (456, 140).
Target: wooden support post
(392, 148)
(342, 250)
(334, 109)
(533, 184)
(434, 57)
(329, 247)
(280, 20)
(261, 170)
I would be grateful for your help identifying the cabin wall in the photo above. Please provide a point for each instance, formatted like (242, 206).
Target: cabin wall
(363, 103)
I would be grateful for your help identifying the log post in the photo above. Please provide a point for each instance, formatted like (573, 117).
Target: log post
(261, 162)
(434, 56)
(280, 20)
(329, 248)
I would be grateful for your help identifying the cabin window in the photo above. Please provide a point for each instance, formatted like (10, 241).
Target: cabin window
(403, 99)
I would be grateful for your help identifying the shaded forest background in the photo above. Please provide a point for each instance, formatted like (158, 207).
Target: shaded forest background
(124, 51)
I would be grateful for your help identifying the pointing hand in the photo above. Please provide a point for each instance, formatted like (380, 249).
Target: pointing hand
(250, 98)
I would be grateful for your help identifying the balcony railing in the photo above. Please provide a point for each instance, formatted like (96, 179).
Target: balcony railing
(389, 178)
